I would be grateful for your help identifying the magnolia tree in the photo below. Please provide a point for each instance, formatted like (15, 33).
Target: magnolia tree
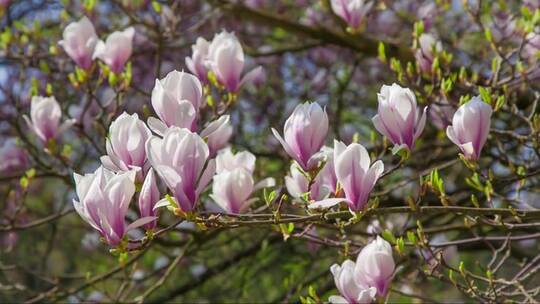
(341, 151)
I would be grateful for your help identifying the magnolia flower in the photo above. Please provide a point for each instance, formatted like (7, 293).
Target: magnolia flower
(297, 185)
(45, 117)
(470, 127)
(79, 41)
(115, 51)
(234, 184)
(325, 182)
(176, 100)
(231, 190)
(227, 161)
(351, 11)
(126, 144)
(218, 133)
(328, 172)
(226, 60)
(425, 53)
(196, 64)
(398, 117)
(148, 198)
(351, 292)
(354, 174)
(375, 266)
(305, 131)
(179, 159)
(104, 199)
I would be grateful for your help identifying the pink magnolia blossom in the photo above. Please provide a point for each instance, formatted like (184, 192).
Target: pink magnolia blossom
(196, 63)
(176, 99)
(297, 184)
(218, 133)
(426, 52)
(375, 266)
(324, 184)
(226, 160)
(116, 50)
(351, 292)
(179, 158)
(126, 144)
(104, 199)
(304, 134)
(352, 11)
(231, 190)
(355, 176)
(226, 60)
(45, 115)
(398, 117)
(79, 41)
(470, 127)
(354, 173)
(234, 184)
(148, 198)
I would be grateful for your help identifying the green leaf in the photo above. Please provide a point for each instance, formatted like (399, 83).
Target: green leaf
(462, 267)
(474, 201)
(451, 276)
(382, 52)
(485, 94)
(24, 183)
(388, 236)
(411, 236)
(501, 100)
(156, 6)
(34, 87)
(488, 34)
(474, 182)
(400, 245)
(418, 28)
(526, 12)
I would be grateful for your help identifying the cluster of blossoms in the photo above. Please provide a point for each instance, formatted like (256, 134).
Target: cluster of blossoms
(172, 146)
(224, 58)
(82, 44)
(188, 155)
(346, 173)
